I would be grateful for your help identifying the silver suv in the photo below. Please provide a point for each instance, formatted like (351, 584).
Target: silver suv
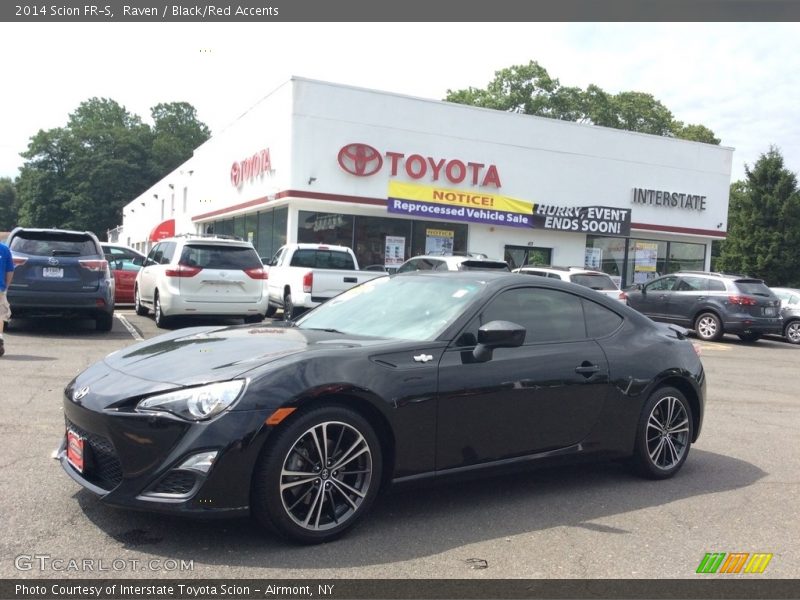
(710, 303)
(596, 280)
(202, 275)
(438, 262)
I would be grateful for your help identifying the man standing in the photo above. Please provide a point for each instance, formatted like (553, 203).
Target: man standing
(6, 275)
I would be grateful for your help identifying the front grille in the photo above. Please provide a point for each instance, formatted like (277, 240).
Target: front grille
(101, 465)
(176, 482)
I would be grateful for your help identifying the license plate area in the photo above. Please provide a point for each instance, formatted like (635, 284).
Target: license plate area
(75, 450)
(53, 272)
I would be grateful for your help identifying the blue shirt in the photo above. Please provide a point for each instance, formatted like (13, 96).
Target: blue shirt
(6, 265)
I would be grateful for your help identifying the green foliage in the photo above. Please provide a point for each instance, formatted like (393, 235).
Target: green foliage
(530, 90)
(764, 223)
(81, 175)
(8, 204)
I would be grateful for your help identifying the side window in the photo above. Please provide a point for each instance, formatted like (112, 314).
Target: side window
(546, 315)
(794, 299)
(554, 276)
(438, 265)
(411, 265)
(715, 285)
(537, 273)
(155, 254)
(600, 321)
(168, 253)
(664, 284)
(277, 258)
(692, 284)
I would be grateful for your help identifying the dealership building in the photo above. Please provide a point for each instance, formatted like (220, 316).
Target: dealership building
(394, 176)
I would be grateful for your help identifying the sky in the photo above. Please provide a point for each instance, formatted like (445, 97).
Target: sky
(738, 79)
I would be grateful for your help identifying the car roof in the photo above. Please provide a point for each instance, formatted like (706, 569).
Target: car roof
(17, 230)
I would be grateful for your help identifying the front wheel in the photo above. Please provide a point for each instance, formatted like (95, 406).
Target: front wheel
(318, 476)
(141, 310)
(664, 434)
(708, 327)
(792, 332)
(162, 321)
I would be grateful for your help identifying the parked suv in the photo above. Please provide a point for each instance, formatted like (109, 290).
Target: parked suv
(60, 273)
(596, 280)
(201, 275)
(711, 303)
(439, 262)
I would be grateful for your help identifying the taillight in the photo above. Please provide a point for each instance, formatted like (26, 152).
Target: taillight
(623, 296)
(256, 273)
(743, 300)
(308, 281)
(182, 271)
(96, 266)
(19, 261)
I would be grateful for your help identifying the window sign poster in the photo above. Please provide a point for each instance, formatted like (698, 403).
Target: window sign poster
(593, 258)
(646, 254)
(395, 251)
(439, 241)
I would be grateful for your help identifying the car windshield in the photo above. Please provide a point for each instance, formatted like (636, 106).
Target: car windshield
(595, 281)
(406, 307)
(53, 243)
(754, 287)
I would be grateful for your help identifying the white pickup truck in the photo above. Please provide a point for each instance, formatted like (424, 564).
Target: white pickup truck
(301, 276)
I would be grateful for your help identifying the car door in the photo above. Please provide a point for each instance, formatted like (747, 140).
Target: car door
(652, 300)
(686, 300)
(147, 274)
(543, 395)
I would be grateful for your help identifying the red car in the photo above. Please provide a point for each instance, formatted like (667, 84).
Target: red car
(124, 263)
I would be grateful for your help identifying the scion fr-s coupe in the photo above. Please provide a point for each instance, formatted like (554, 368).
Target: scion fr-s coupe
(420, 375)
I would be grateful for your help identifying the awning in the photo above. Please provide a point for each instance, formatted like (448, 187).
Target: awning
(163, 230)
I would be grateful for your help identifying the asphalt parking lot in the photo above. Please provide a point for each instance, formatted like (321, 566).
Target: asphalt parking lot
(738, 492)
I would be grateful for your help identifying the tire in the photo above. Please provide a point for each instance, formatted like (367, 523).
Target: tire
(663, 435)
(104, 321)
(708, 327)
(271, 310)
(162, 321)
(141, 310)
(792, 332)
(254, 318)
(750, 337)
(289, 311)
(305, 512)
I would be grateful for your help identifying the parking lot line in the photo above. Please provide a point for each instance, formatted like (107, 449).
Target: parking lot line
(131, 329)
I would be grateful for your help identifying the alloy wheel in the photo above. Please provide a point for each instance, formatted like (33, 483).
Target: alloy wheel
(707, 327)
(326, 476)
(792, 332)
(667, 433)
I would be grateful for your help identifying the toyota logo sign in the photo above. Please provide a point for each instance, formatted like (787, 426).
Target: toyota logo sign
(360, 159)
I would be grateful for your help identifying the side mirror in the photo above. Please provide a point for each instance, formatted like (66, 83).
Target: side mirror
(497, 334)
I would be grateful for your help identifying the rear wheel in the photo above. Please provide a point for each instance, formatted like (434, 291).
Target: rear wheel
(162, 321)
(792, 332)
(750, 337)
(137, 303)
(708, 327)
(318, 476)
(271, 310)
(104, 322)
(288, 307)
(664, 434)
(254, 319)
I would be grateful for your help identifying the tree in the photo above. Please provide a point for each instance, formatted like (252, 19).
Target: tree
(529, 89)
(8, 204)
(764, 223)
(81, 175)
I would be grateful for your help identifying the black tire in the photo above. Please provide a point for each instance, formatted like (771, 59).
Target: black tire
(663, 434)
(792, 332)
(162, 321)
(254, 319)
(140, 308)
(289, 312)
(344, 496)
(104, 321)
(271, 310)
(750, 337)
(708, 327)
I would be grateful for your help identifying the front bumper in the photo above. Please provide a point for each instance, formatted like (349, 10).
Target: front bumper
(131, 459)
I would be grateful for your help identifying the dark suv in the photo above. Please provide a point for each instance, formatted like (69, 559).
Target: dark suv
(60, 273)
(710, 303)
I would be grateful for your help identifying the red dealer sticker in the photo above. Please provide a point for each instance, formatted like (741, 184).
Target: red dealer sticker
(75, 450)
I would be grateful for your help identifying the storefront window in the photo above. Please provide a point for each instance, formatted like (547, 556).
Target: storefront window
(238, 227)
(382, 241)
(686, 257)
(435, 237)
(263, 242)
(325, 228)
(517, 256)
(251, 227)
(606, 254)
(279, 225)
(647, 259)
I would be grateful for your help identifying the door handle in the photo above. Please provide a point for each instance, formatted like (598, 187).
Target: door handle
(350, 280)
(587, 369)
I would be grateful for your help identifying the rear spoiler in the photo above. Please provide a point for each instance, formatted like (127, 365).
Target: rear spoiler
(678, 331)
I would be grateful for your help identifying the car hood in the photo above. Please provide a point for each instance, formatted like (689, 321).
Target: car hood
(202, 354)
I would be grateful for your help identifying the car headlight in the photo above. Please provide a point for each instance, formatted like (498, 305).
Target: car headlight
(196, 403)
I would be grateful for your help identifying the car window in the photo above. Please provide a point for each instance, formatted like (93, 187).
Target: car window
(794, 299)
(546, 315)
(323, 259)
(210, 256)
(664, 284)
(595, 281)
(121, 263)
(53, 243)
(716, 285)
(156, 254)
(692, 284)
(600, 321)
(168, 252)
(754, 287)
(537, 273)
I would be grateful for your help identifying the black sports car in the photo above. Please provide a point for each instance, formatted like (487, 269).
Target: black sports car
(401, 379)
